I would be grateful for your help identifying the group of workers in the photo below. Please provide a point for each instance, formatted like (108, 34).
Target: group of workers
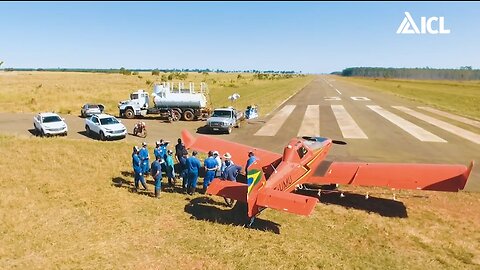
(188, 166)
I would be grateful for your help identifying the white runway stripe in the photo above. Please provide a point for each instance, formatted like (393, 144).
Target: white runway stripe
(275, 123)
(452, 116)
(347, 125)
(409, 127)
(311, 122)
(441, 124)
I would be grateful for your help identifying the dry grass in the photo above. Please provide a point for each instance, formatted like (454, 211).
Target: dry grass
(61, 208)
(66, 92)
(459, 97)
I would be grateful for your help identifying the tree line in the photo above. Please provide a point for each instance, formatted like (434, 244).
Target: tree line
(155, 71)
(463, 73)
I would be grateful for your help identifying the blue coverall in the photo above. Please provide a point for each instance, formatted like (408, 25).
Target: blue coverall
(157, 152)
(144, 157)
(250, 161)
(137, 169)
(170, 169)
(210, 166)
(184, 171)
(156, 167)
(193, 166)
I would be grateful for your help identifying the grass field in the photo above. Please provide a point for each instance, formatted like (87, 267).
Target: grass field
(66, 204)
(459, 97)
(66, 92)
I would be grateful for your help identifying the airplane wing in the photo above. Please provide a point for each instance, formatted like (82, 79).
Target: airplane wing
(238, 151)
(439, 177)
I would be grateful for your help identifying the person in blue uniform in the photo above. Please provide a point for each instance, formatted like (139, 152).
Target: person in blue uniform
(156, 170)
(144, 158)
(137, 169)
(193, 167)
(210, 167)
(170, 168)
(163, 153)
(250, 161)
(184, 170)
(157, 151)
(231, 171)
(179, 148)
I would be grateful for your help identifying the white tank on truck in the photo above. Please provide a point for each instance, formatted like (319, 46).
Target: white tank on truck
(168, 101)
(164, 96)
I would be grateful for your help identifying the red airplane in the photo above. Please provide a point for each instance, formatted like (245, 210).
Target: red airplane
(273, 177)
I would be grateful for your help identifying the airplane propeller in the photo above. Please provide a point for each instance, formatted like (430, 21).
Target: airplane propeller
(321, 139)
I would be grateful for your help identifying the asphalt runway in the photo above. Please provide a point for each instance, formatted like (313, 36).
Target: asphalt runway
(378, 127)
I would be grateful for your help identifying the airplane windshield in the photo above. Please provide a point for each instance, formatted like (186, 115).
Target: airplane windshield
(314, 143)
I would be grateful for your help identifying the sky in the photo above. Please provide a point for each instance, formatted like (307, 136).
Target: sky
(311, 37)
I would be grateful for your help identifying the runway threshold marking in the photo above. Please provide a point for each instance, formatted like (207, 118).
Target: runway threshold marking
(311, 122)
(441, 124)
(275, 123)
(347, 125)
(407, 126)
(452, 116)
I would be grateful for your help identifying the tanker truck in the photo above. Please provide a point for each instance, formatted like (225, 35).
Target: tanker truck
(168, 102)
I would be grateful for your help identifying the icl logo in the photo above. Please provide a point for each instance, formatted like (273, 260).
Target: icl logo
(408, 25)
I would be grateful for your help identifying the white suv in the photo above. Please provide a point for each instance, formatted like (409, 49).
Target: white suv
(105, 126)
(49, 124)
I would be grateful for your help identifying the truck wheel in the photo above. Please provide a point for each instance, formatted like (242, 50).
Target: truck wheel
(102, 136)
(42, 134)
(87, 129)
(188, 115)
(176, 115)
(129, 114)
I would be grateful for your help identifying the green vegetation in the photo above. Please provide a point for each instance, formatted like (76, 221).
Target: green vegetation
(461, 98)
(66, 204)
(464, 73)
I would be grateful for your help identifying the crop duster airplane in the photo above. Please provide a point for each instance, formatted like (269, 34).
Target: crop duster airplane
(273, 177)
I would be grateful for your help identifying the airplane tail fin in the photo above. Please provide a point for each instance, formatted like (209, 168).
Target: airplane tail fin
(187, 138)
(288, 202)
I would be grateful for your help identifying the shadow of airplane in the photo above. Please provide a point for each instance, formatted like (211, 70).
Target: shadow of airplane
(381, 206)
(204, 208)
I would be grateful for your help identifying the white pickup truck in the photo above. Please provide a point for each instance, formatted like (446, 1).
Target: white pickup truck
(224, 120)
(105, 126)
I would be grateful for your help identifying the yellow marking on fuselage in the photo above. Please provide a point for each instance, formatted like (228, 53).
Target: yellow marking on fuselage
(306, 171)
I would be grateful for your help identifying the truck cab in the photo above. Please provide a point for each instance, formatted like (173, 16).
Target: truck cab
(224, 120)
(137, 105)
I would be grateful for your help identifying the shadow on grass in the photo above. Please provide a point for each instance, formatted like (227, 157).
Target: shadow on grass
(33, 131)
(84, 133)
(204, 208)
(381, 206)
(203, 130)
(122, 182)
